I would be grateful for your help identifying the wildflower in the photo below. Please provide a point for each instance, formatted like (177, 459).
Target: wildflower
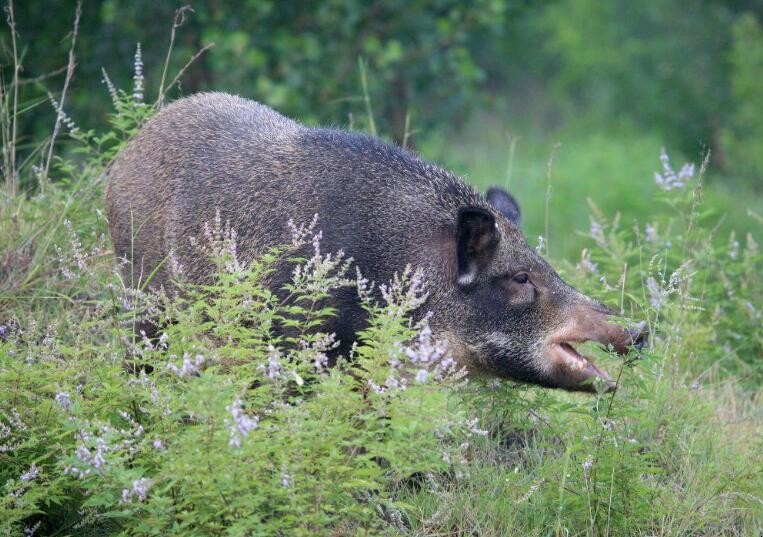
(299, 234)
(31, 474)
(38, 172)
(363, 286)
(222, 243)
(93, 449)
(137, 92)
(322, 272)
(472, 426)
(76, 256)
(157, 444)
(137, 428)
(656, 293)
(393, 383)
(586, 265)
(534, 487)
(668, 179)
(189, 367)
(650, 233)
(422, 375)
(29, 532)
(163, 340)
(430, 355)
(541, 244)
(10, 425)
(426, 351)
(286, 480)
(318, 348)
(273, 369)
(98, 458)
(139, 491)
(62, 116)
(588, 464)
(405, 292)
(241, 424)
(176, 268)
(110, 87)
(734, 250)
(597, 232)
(63, 400)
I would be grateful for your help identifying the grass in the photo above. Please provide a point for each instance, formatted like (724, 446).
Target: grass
(237, 431)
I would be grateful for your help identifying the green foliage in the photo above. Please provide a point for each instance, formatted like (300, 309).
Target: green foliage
(685, 72)
(744, 136)
(238, 430)
(235, 430)
(613, 167)
(629, 59)
(224, 425)
(298, 57)
(659, 454)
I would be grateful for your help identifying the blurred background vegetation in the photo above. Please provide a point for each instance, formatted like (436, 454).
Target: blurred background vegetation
(487, 87)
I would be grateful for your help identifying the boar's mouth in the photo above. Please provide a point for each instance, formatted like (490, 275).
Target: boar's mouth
(574, 371)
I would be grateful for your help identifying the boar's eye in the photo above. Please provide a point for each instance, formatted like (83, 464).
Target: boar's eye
(520, 288)
(521, 277)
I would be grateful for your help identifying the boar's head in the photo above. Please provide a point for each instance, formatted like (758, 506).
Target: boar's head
(508, 312)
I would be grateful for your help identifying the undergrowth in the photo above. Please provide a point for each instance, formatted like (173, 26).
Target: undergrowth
(223, 424)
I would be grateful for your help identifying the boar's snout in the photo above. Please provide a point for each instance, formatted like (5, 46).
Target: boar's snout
(639, 334)
(571, 370)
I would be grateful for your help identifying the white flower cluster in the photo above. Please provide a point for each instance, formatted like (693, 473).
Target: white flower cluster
(541, 245)
(190, 366)
(319, 348)
(156, 397)
(585, 264)
(138, 491)
(62, 116)
(273, 368)
(64, 401)
(597, 232)
(405, 293)
(11, 425)
(137, 91)
(93, 449)
(428, 356)
(321, 273)
(17, 490)
(77, 257)
(659, 292)
(222, 244)
(240, 425)
(302, 235)
(31, 474)
(669, 179)
(112, 89)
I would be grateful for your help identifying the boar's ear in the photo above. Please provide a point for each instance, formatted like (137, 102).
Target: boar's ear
(505, 203)
(477, 241)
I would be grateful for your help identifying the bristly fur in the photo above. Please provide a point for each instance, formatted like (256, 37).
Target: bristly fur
(382, 205)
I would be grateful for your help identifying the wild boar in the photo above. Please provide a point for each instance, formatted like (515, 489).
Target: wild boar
(502, 308)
